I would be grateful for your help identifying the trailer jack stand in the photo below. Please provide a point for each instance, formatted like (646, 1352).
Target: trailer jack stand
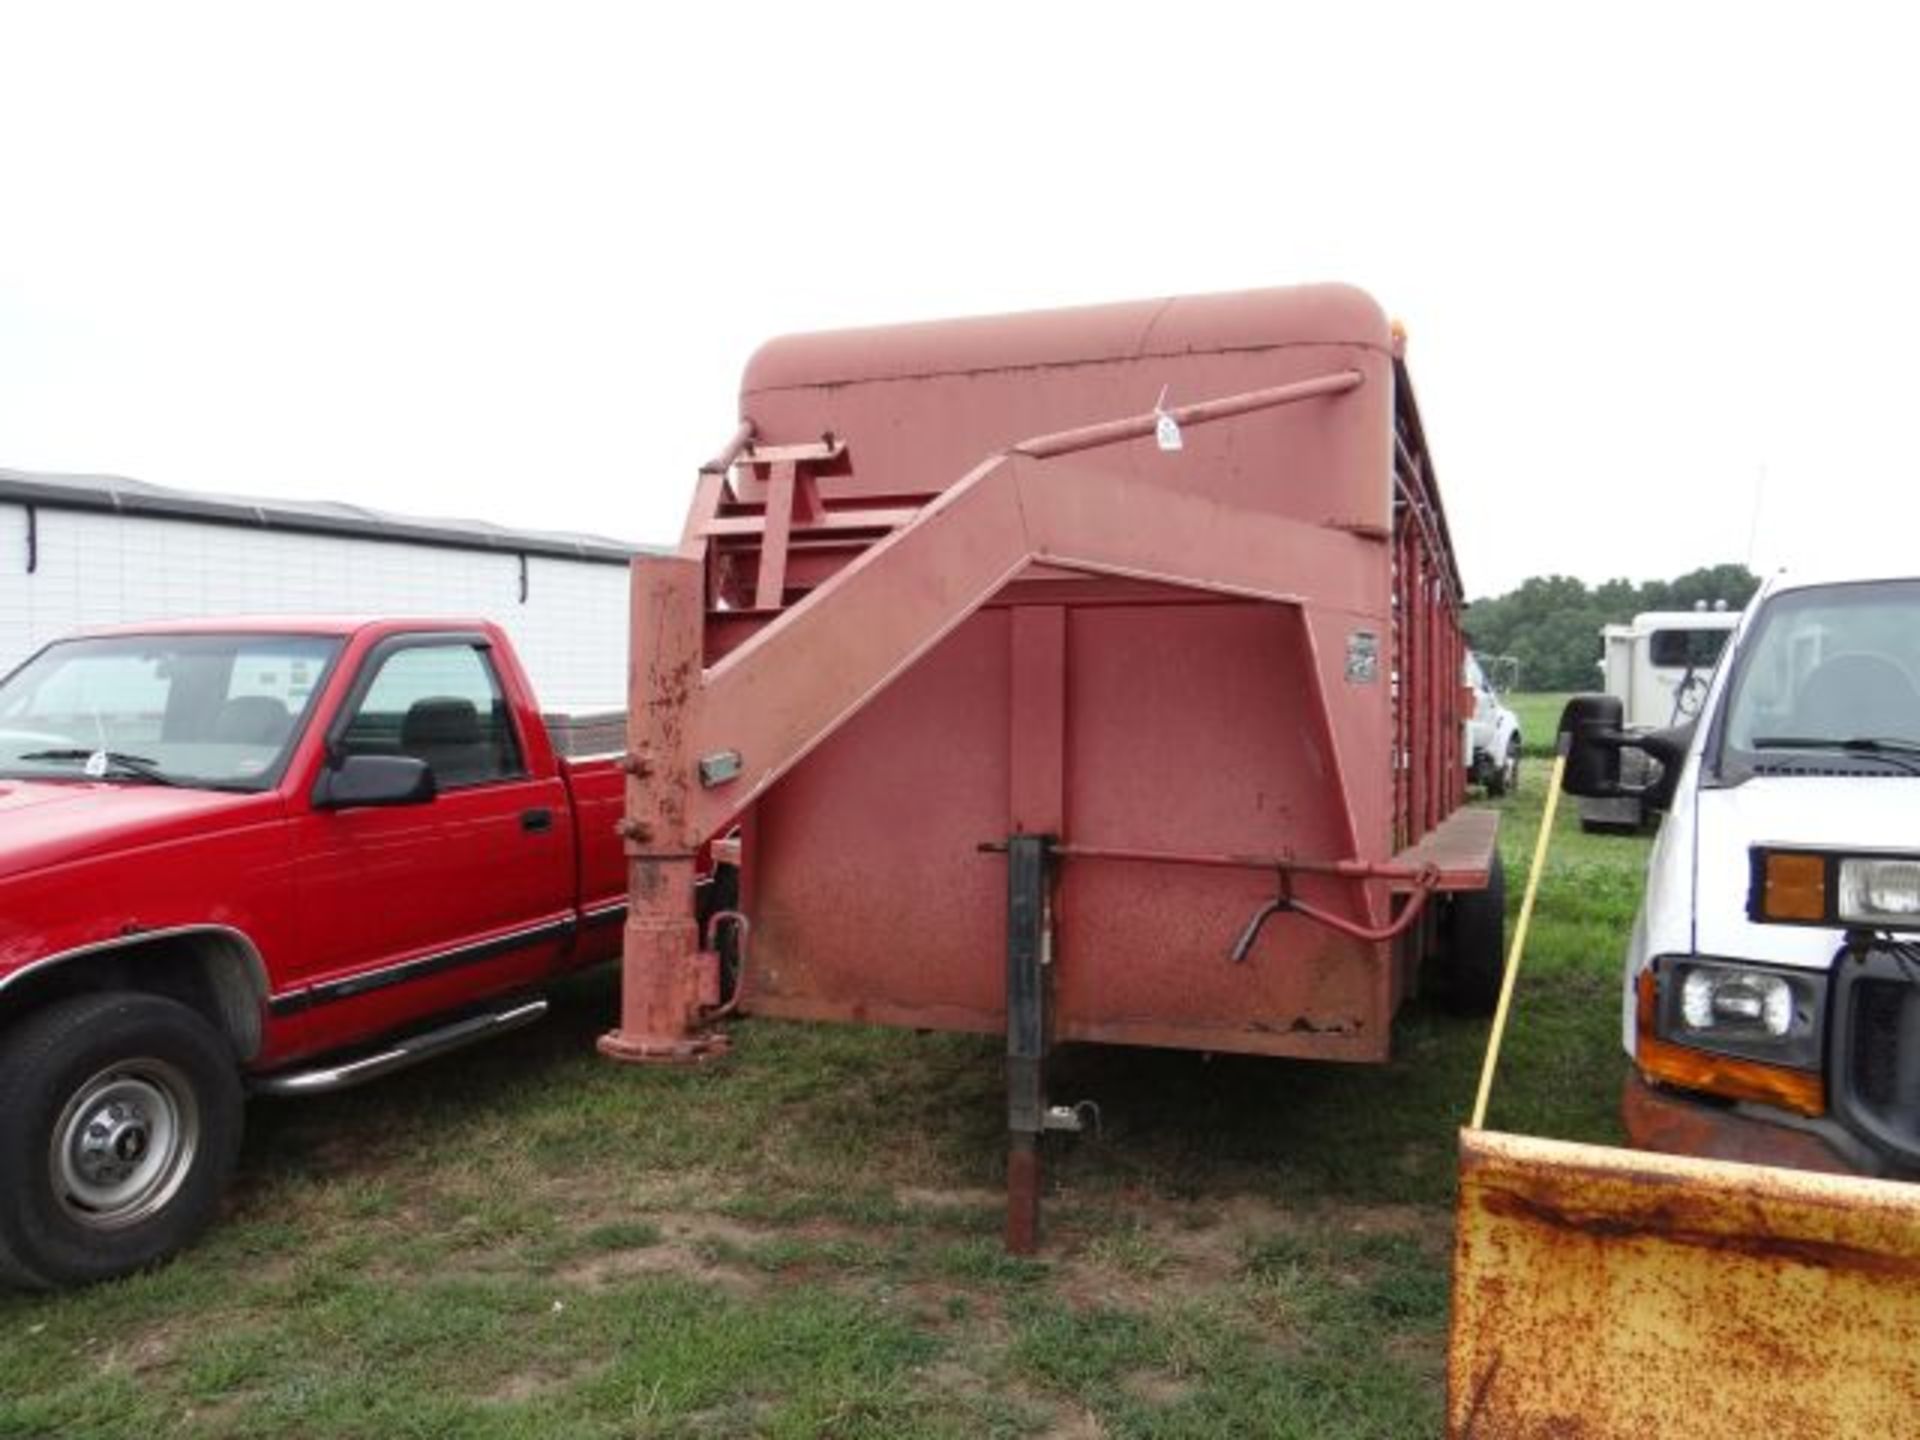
(1029, 958)
(666, 977)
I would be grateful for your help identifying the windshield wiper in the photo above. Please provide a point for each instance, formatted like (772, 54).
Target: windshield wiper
(142, 767)
(1905, 754)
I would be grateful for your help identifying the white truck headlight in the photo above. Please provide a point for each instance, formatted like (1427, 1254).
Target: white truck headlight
(1733, 1001)
(1881, 892)
(1759, 1012)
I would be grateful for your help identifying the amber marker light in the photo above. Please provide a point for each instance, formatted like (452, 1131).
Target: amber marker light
(1793, 886)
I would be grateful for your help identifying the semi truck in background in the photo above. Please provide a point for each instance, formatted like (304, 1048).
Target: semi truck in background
(1658, 667)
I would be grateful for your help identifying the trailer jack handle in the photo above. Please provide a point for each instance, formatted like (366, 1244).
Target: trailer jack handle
(1424, 885)
(709, 946)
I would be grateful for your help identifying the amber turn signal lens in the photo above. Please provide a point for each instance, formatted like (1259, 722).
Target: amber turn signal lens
(1794, 887)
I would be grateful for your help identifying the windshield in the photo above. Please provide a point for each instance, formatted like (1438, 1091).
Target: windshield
(1831, 671)
(216, 711)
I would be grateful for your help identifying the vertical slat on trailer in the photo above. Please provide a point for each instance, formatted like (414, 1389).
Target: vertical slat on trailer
(1436, 811)
(1402, 679)
(1416, 688)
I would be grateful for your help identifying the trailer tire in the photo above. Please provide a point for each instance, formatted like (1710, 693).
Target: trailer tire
(120, 1117)
(1474, 945)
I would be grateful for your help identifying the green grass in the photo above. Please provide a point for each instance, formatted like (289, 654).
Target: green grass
(804, 1239)
(1539, 717)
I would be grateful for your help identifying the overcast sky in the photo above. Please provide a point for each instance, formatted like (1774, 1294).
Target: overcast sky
(506, 262)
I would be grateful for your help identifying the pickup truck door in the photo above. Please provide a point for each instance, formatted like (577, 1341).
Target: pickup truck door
(409, 909)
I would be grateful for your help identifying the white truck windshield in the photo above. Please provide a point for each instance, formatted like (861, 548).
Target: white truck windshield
(1829, 671)
(219, 711)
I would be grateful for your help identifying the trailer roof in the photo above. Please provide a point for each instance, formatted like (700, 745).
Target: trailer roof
(118, 495)
(1136, 329)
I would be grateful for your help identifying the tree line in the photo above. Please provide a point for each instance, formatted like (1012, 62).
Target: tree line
(1551, 623)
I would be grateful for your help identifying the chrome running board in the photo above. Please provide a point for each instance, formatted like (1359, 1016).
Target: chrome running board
(324, 1080)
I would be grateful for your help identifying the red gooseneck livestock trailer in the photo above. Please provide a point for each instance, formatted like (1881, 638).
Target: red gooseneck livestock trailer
(1093, 675)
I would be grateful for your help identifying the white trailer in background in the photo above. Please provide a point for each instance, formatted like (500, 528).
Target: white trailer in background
(85, 550)
(1658, 667)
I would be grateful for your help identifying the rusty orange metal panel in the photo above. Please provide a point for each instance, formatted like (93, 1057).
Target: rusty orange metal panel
(1601, 1293)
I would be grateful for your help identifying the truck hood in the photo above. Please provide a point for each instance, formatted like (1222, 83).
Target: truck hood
(1818, 812)
(48, 823)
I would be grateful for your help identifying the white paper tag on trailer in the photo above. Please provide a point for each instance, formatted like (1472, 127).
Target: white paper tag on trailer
(1166, 431)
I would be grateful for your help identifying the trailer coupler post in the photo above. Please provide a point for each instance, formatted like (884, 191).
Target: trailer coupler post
(1028, 944)
(664, 971)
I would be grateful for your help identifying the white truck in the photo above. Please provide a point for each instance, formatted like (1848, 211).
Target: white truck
(1772, 1002)
(1493, 733)
(1658, 667)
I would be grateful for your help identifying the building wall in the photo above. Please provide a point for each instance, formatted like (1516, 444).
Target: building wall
(101, 569)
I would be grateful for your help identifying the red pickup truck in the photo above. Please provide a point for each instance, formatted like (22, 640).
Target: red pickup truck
(278, 855)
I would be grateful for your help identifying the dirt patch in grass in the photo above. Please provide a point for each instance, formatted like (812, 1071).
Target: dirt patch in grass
(525, 1385)
(148, 1350)
(1082, 1425)
(1156, 1387)
(937, 1197)
(1167, 1252)
(691, 1246)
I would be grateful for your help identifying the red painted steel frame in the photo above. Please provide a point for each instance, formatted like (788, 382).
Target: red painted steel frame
(1247, 646)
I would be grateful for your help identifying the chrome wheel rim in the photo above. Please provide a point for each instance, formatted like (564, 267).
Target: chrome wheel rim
(124, 1144)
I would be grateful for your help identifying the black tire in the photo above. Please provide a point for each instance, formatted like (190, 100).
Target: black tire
(1474, 945)
(120, 1118)
(1503, 777)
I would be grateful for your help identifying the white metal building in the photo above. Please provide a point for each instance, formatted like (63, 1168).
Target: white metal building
(81, 550)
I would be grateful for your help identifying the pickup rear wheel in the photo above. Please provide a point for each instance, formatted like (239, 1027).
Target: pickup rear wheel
(1503, 775)
(120, 1119)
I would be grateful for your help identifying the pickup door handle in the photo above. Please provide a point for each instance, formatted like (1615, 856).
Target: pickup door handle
(536, 822)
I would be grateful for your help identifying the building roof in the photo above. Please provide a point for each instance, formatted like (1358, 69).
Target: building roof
(117, 495)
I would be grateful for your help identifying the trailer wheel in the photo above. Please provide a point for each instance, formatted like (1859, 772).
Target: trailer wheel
(120, 1119)
(1474, 947)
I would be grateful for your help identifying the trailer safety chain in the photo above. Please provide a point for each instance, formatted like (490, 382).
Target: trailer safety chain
(1424, 884)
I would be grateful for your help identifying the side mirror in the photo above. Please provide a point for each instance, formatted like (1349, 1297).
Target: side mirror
(360, 780)
(1590, 730)
(1669, 750)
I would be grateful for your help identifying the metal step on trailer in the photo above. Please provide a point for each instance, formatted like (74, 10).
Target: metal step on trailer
(1460, 849)
(400, 1054)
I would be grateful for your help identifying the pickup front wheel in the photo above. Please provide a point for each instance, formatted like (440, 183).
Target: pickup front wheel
(119, 1122)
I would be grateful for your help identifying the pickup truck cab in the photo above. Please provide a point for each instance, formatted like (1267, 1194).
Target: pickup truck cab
(1772, 1004)
(280, 854)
